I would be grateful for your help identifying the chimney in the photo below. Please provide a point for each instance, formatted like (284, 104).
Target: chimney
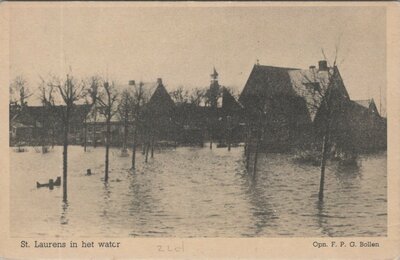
(323, 65)
(159, 81)
(132, 83)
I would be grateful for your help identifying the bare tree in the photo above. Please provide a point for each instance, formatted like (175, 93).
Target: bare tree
(19, 91)
(139, 99)
(107, 100)
(180, 95)
(48, 120)
(326, 98)
(125, 109)
(69, 91)
(91, 98)
(197, 96)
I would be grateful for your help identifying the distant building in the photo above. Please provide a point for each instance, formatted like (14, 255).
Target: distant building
(38, 125)
(369, 128)
(158, 113)
(220, 115)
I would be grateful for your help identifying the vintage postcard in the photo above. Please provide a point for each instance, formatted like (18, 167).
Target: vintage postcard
(200, 130)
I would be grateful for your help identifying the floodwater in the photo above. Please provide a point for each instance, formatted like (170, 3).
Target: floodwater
(195, 192)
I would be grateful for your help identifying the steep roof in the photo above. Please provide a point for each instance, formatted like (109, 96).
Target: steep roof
(229, 103)
(368, 104)
(308, 82)
(266, 81)
(160, 102)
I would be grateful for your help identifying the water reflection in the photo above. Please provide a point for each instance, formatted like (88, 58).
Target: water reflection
(200, 193)
(64, 213)
(106, 200)
(257, 193)
(349, 176)
(322, 219)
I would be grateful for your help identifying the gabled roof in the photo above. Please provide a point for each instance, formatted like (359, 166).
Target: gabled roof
(266, 81)
(368, 104)
(160, 102)
(229, 103)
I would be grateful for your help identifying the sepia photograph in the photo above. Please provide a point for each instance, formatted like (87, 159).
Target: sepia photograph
(197, 121)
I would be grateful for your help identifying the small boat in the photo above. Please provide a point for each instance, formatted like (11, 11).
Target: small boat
(58, 181)
(50, 184)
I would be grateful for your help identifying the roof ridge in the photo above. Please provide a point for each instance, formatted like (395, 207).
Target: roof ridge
(275, 67)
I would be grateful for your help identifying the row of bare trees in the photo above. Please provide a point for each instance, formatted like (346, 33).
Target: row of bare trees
(199, 96)
(62, 95)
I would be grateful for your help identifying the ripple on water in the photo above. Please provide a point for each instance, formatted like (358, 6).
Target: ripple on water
(196, 192)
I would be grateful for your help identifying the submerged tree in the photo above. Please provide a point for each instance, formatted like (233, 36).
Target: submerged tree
(107, 100)
(68, 91)
(125, 111)
(91, 98)
(327, 99)
(139, 98)
(47, 118)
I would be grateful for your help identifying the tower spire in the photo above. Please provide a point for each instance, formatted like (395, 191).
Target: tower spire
(214, 75)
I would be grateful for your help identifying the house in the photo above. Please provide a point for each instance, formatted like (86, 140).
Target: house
(38, 125)
(275, 98)
(158, 114)
(191, 123)
(290, 104)
(155, 117)
(23, 127)
(369, 128)
(217, 119)
(95, 127)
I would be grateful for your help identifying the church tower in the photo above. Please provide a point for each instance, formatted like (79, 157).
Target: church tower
(214, 89)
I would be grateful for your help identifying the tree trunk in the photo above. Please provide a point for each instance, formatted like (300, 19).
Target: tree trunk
(147, 146)
(65, 155)
(125, 135)
(94, 129)
(211, 139)
(85, 136)
(152, 146)
(229, 139)
(144, 145)
(52, 137)
(107, 148)
(134, 149)
(323, 164)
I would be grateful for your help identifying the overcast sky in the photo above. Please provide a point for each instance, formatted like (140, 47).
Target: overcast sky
(181, 45)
